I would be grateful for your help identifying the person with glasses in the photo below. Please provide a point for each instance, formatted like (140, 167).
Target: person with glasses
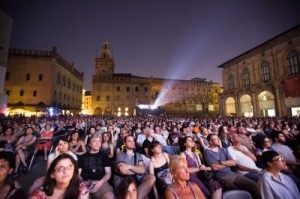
(8, 191)
(273, 183)
(62, 181)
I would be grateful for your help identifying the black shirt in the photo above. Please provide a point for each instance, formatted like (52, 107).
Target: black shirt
(93, 165)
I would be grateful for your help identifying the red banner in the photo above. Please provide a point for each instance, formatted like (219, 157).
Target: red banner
(292, 86)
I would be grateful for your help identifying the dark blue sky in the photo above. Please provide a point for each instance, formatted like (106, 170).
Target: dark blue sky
(162, 38)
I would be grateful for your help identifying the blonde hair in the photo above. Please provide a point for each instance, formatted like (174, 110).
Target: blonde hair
(175, 161)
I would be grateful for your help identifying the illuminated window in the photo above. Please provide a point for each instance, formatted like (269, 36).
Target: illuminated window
(126, 109)
(265, 71)
(119, 109)
(293, 63)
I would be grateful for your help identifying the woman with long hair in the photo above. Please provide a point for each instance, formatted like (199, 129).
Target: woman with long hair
(127, 189)
(77, 145)
(210, 188)
(60, 147)
(107, 145)
(62, 181)
(24, 146)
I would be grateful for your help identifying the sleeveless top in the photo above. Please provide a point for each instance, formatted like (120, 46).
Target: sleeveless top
(163, 167)
(177, 197)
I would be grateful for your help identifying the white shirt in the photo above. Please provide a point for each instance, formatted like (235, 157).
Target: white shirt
(242, 159)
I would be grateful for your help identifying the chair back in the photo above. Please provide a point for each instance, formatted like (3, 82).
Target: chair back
(237, 194)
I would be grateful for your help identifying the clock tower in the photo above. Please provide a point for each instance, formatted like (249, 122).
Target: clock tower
(105, 64)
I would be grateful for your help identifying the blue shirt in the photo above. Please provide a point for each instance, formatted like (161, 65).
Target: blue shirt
(211, 157)
(273, 188)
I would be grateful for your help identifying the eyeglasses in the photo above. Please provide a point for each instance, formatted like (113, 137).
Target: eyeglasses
(4, 166)
(277, 159)
(61, 169)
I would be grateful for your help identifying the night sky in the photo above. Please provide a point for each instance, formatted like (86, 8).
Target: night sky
(178, 39)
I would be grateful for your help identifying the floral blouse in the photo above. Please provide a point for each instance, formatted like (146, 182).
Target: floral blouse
(40, 194)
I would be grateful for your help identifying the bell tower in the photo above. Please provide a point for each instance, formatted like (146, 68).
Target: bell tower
(105, 64)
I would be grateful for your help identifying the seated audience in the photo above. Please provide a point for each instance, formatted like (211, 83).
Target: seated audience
(279, 146)
(211, 188)
(95, 170)
(107, 146)
(77, 146)
(245, 160)
(130, 163)
(7, 190)
(24, 146)
(8, 139)
(273, 183)
(127, 189)
(159, 162)
(61, 181)
(181, 187)
(60, 147)
(220, 161)
(44, 141)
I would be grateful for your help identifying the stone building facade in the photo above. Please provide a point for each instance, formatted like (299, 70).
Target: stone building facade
(122, 94)
(264, 81)
(37, 81)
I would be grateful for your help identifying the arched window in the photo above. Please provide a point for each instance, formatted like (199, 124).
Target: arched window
(293, 63)
(21, 93)
(230, 82)
(265, 70)
(136, 89)
(98, 98)
(246, 80)
(34, 93)
(127, 88)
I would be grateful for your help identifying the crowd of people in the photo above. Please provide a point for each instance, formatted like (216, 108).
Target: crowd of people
(151, 157)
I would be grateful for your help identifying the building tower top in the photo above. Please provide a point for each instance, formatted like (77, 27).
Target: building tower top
(105, 51)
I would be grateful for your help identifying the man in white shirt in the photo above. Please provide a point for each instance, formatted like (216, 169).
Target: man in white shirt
(245, 160)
